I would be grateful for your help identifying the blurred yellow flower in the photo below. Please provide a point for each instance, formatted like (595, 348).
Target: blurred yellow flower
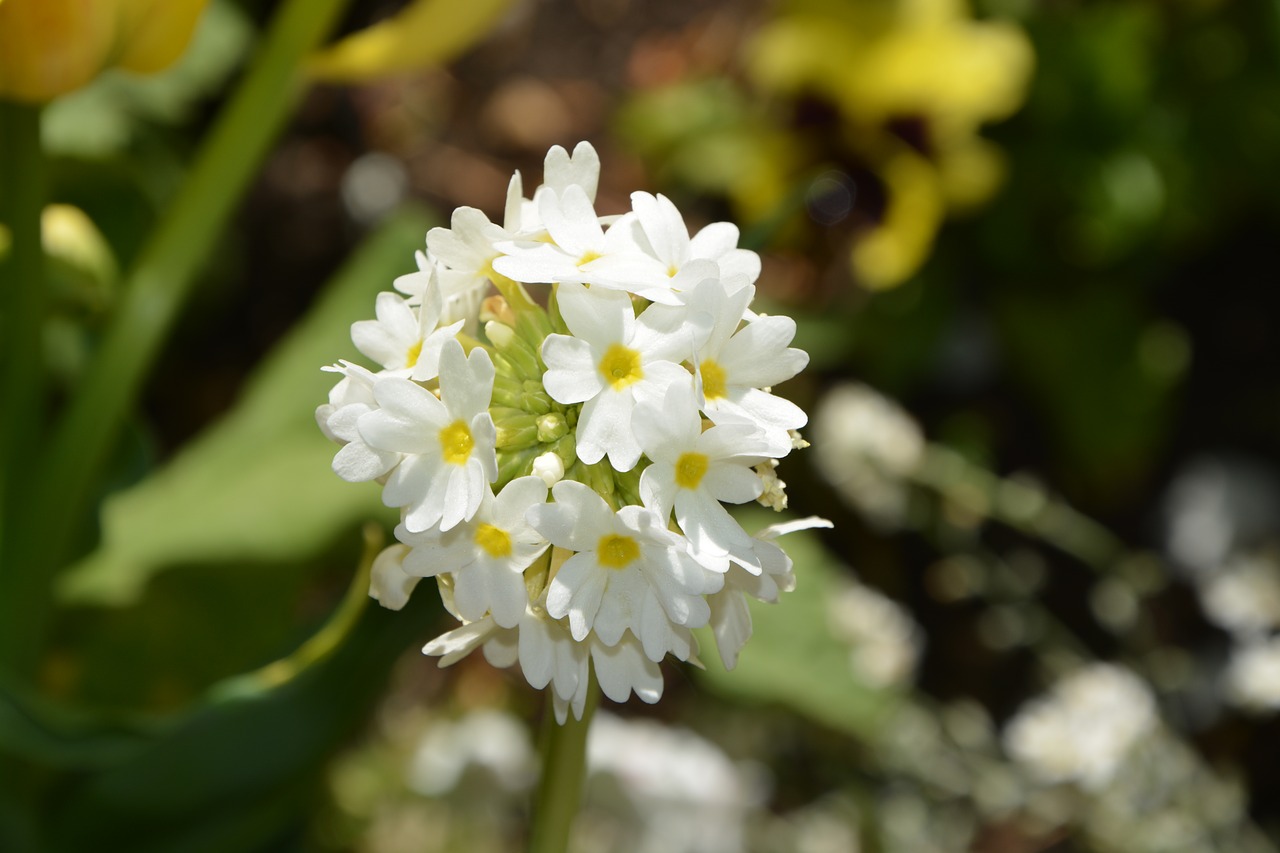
(424, 33)
(50, 47)
(923, 61)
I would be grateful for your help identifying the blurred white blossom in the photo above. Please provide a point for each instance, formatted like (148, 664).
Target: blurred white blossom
(884, 643)
(1216, 506)
(1253, 675)
(867, 446)
(1083, 728)
(1244, 597)
(688, 795)
(493, 741)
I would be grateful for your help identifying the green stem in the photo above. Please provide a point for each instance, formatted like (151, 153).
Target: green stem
(1020, 506)
(156, 289)
(564, 766)
(22, 309)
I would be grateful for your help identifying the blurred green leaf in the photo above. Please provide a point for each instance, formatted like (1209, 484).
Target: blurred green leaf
(1104, 376)
(792, 658)
(41, 731)
(238, 772)
(255, 487)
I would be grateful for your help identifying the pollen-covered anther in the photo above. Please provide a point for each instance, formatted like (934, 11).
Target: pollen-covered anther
(493, 540)
(617, 552)
(690, 469)
(714, 381)
(411, 356)
(456, 443)
(620, 366)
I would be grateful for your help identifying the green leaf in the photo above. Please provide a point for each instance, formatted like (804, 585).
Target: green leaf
(239, 771)
(257, 486)
(43, 732)
(792, 659)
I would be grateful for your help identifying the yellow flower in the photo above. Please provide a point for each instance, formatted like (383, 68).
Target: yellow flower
(50, 47)
(879, 62)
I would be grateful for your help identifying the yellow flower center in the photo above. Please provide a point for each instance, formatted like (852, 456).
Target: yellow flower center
(494, 540)
(713, 380)
(621, 366)
(616, 552)
(587, 257)
(690, 468)
(411, 357)
(456, 443)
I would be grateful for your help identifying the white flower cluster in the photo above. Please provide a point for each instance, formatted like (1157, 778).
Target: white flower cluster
(633, 383)
(884, 642)
(1083, 729)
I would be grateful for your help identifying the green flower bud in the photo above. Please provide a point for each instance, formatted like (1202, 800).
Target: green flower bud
(552, 427)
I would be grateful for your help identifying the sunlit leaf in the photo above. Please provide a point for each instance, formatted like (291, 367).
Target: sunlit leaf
(424, 34)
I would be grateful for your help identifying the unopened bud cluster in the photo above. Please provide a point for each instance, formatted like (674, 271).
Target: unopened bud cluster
(561, 452)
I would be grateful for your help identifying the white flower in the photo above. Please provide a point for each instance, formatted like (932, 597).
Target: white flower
(1083, 729)
(624, 668)
(867, 446)
(404, 341)
(466, 249)
(730, 619)
(621, 669)
(735, 364)
(389, 584)
(460, 291)
(667, 239)
(884, 643)
(1253, 675)
(612, 359)
(486, 555)
(448, 442)
(694, 470)
(1244, 597)
(581, 250)
(349, 400)
(547, 654)
(560, 170)
(629, 571)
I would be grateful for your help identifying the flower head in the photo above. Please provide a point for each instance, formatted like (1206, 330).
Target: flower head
(610, 397)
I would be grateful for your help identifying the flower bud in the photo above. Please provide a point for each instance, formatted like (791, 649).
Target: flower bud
(50, 47)
(499, 334)
(552, 427)
(549, 467)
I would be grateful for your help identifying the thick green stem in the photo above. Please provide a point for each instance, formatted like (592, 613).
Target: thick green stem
(156, 289)
(564, 766)
(22, 308)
